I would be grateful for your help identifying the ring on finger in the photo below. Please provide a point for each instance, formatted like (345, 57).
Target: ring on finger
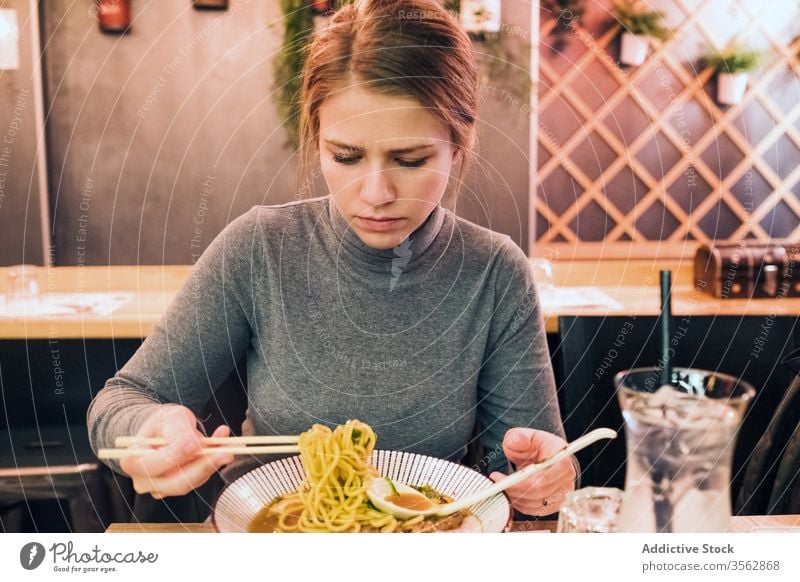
(553, 500)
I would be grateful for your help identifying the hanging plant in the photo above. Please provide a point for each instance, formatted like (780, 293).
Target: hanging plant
(731, 66)
(298, 30)
(453, 6)
(298, 27)
(114, 16)
(639, 26)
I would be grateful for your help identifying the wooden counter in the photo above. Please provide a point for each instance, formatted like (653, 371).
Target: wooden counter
(153, 288)
(632, 284)
(740, 524)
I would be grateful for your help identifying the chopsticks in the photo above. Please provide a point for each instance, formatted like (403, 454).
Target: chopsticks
(129, 446)
(129, 441)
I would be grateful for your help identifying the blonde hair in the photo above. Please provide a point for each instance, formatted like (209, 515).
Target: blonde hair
(409, 48)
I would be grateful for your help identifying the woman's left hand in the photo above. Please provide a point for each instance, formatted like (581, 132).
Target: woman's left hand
(541, 493)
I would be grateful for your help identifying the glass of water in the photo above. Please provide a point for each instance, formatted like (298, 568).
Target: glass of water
(680, 439)
(590, 510)
(542, 270)
(22, 285)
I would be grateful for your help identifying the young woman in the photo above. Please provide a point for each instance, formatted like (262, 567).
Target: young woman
(373, 302)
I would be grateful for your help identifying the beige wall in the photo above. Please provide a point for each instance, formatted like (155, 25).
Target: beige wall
(171, 124)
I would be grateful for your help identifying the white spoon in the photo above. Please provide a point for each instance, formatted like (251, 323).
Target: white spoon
(381, 490)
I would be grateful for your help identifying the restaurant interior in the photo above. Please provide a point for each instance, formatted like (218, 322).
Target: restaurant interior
(616, 141)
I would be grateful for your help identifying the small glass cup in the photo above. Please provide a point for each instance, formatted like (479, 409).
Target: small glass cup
(542, 272)
(22, 285)
(590, 510)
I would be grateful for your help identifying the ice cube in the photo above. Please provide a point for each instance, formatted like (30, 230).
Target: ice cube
(662, 397)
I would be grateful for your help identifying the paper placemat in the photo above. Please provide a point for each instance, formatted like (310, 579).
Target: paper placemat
(65, 304)
(559, 297)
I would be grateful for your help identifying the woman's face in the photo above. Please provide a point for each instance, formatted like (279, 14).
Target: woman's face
(386, 160)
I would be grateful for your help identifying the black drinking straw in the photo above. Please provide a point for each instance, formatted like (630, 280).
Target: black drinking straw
(661, 473)
(666, 332)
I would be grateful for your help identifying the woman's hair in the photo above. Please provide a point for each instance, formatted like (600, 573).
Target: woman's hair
(409, 48)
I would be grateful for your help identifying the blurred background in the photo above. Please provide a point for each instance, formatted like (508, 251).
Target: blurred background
(141, 131)
(133, 131)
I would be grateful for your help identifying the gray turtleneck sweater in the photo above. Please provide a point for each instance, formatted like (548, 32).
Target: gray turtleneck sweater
(420, 341)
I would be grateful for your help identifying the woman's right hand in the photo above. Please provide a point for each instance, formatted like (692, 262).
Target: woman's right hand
(182, 465)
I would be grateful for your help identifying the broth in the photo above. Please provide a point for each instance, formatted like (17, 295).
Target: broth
(267, 519)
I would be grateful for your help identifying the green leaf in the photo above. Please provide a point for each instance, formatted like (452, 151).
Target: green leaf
(298, 27)
(637, 19)
(733, 60)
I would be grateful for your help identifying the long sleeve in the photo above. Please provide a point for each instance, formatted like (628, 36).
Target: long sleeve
(198, 341)
(516, 386)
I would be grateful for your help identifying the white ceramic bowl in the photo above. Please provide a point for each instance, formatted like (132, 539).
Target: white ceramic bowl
(239, 501)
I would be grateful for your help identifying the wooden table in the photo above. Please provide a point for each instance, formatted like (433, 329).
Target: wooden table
(740, 524)
(153, 288)
(632, 284)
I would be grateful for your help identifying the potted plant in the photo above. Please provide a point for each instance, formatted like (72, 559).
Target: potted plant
(640, 25)
(731, 66)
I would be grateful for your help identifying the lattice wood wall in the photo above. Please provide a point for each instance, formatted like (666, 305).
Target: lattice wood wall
(642, 162)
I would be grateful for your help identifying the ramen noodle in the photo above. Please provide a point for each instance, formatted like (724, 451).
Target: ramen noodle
(333, 497)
